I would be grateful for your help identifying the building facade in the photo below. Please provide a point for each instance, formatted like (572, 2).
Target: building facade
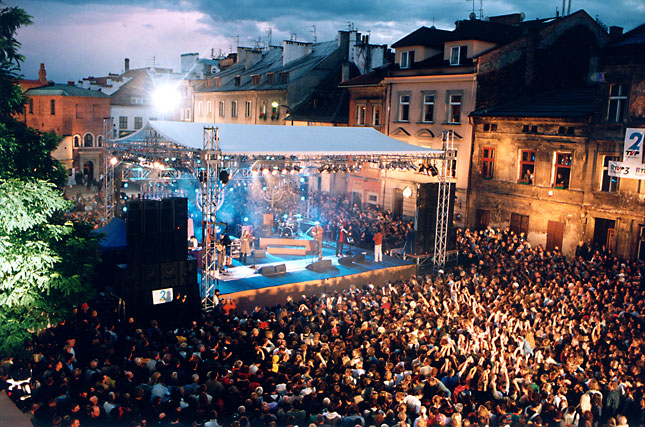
(77, 115)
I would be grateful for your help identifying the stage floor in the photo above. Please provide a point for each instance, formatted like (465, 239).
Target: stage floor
(240, 278)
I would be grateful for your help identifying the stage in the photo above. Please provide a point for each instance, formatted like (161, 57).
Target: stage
(249, 288)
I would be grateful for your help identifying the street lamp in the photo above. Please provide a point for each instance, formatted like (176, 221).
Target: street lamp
(276, 104)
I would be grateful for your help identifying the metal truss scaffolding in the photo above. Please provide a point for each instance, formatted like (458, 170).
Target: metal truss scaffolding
(443, 200)
(210, 159)
(109, 162)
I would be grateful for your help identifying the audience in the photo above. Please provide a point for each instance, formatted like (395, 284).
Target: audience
(515, 335)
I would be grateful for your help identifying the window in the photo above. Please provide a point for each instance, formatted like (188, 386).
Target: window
(222, 108)
(200, 107)
(284, 78)
(256, 79)
(237, 80)
(361, 112)
(88, 140)
(271, 78)
(77, 141)
(562, 170)
(209, 107)
(404, 108)
(138, 122)
(136, 100)
(275, 110)
(233, 108)
(609, 183)
(249, 109)
(52, 107)
(376, 115)
(407, 58)
(458, 55)
(527, 167)
(490, 127)
(617, 103)
(263, 111)
(454, 108)
(217, 81)
(188, 113)
(123, 122)
(519, 223)
(99, 141)
(428, 109)
(31, 106)
(488, 162)
(453, 164)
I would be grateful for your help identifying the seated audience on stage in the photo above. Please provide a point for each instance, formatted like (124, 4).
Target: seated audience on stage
(513, 336)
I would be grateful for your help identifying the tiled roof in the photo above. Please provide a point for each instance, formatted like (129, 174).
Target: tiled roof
(564, 103)
(372, 78)
(271, 62)
(485, 31)
(65, 90)
(424, 36)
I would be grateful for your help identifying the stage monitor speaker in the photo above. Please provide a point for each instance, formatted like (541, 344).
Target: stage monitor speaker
(280, 269)
(360, 259)
(150, 276)
(134, 223)
(267, 270)
(150, 248)
(346, 261)
(151, 216)
(259, 253)
(320, 266)
(425, 223)
(169, 274)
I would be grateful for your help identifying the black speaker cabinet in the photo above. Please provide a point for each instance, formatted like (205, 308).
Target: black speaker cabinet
(360, 259)
(267, 270)
(280, 269)
(320, 266)
(346, 261)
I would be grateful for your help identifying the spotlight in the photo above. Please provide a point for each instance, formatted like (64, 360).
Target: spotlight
(255, 172)
(274, 171)
(223, 176)
(422, 168)
(114, 161)
(297, 168)
(284, 171)
(433, 170)
(265, 171)
(246, 219)
(302, 179)
(323, 168)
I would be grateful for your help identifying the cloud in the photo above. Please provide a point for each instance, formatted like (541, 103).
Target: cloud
(78, 38)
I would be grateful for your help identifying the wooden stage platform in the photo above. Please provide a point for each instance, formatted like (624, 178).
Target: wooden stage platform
(249, 288)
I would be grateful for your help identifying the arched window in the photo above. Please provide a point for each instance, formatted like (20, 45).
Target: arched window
(89, 140)
(99, 141)
(77, 141)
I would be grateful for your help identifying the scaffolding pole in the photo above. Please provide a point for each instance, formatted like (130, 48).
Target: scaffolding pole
(109, 162)
(443, 198)
(209, 175)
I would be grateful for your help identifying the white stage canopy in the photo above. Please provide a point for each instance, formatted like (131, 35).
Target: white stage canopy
(242, 139)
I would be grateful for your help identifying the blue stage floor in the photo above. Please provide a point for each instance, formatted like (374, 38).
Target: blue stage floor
(245, 278)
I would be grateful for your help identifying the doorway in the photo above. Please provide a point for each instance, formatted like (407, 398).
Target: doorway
(357, 199)
(554, 233)
(88, 171)
(603, 233)
(397, 203)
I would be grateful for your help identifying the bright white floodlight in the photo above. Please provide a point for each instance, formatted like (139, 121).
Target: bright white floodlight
(166, 97)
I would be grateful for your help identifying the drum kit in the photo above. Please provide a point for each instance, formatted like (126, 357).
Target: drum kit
(290, 226)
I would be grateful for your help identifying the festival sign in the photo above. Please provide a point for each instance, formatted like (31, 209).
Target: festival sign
(633, 164)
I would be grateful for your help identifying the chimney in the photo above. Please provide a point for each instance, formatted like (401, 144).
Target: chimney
(615, 32)
(42, 74)
(127, 65)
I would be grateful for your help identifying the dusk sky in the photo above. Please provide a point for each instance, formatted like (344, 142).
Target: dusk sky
(81, 38)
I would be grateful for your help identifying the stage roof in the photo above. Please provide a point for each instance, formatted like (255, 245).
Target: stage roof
(242, 139)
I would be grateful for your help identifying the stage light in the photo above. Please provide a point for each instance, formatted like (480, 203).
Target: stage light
(284, 171)
(125, 208)
(265, 171)
(166, 97)
(422, 168)
(407, 192)
(246, 219)
(156, 165)
(114, 161)
(302, 179)
(255, 172)
(323, 168)
(433, 170)
(223, 176)
(274, 172)
(297, 168)
(302, 198)
(125, 185)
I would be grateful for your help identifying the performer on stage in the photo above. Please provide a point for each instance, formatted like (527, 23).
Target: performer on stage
(340, 240)
(245, 246)
(317, 232)
(221, 255)
(378, 246)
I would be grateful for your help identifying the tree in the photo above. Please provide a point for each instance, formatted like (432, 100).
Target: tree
(24, 151)
(46, 264)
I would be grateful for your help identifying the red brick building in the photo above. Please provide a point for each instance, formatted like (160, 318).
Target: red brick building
(76, 114)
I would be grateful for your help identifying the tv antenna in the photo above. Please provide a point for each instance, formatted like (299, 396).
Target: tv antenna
(481, 8)
(313, 31)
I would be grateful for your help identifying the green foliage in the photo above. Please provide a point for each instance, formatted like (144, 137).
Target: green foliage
(46, 265)
(11, 98)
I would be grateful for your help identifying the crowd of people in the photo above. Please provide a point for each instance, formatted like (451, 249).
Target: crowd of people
(515, 335)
